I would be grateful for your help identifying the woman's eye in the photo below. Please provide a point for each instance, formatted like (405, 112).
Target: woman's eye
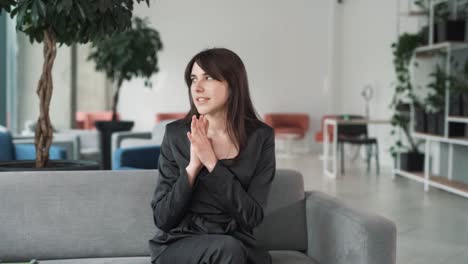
(193, 79)
(209, 78)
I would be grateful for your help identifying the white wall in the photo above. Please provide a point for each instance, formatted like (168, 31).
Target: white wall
(366, 29)
(91, 85)
(305, 56)
(283, 44)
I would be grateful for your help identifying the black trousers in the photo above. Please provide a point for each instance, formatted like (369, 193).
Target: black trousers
(204, 249)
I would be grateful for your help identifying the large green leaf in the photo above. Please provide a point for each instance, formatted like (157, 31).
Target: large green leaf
(72, 21)
(128, 54)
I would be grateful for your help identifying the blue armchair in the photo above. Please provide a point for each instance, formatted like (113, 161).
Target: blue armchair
(10, 151)
(136, 158)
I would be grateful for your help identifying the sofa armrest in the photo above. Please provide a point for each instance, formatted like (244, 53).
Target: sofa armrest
(136, 157)
(118, 137)
(28, 152)
(338, 234)
(70, 143)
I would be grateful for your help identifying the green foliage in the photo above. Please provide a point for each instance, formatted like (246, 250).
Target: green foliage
(128, 54)
(435, 101)
(7, 5)
(441, 10)
(403, 51)
(71, 21)
(460, 84)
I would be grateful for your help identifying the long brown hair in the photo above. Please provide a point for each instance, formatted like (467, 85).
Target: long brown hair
(224, 65)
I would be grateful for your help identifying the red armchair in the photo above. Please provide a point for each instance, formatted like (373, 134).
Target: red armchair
(319, 136)
(288, 123)
(289, 126)
(169, 116)
(85, 120)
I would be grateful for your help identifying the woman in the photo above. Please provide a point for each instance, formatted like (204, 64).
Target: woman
(216, 167)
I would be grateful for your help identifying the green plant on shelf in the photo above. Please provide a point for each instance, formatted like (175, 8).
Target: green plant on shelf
(441, 10)
(461, 80)
(435, 101)
(403, 97)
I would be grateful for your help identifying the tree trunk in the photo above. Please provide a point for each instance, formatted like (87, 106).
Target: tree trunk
(116, 100)
(44, 130)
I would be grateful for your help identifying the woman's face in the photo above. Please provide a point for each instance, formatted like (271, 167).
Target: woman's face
(209, 95)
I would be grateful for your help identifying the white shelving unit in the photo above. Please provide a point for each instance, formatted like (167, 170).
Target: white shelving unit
(425, 177)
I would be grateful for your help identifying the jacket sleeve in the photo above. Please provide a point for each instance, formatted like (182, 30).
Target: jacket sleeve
(245, 205)
(173, 192)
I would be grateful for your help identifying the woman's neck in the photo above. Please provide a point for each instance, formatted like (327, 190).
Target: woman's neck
(216, 124)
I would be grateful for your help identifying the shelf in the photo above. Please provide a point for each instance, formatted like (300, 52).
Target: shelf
(458, 119)
(452, 140)
(414, 13)
(442, 183)
(410, 175)
(428, 50)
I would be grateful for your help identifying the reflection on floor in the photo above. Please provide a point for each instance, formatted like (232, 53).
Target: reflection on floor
(432, 227)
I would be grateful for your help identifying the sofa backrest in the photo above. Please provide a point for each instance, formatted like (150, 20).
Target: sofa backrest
(284, 225)
(159, 129)
(75, 214)
(90, 214)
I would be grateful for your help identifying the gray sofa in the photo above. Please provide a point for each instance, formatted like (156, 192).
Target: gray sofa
(98, 217)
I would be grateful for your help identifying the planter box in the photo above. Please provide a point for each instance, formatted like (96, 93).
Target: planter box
(420, 120)
(412, 161)
(450, 30)
(456, 104)
(106, 128)
(435, 123)
(457, 130)
(465, 104)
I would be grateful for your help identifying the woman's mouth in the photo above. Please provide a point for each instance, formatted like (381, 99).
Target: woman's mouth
(201, 100)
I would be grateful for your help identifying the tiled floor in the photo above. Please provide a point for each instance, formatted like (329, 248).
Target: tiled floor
(432, 226)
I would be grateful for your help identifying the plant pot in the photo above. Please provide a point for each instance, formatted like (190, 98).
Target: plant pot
(456, 103)
(450, 30)
(457, 130)
(436, 126)
(420, 124)
(411, 161)
(435, 123)
(52, 165)
(106, 128)
(465, 104)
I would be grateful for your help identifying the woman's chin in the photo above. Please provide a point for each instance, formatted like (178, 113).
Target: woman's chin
(203, 110)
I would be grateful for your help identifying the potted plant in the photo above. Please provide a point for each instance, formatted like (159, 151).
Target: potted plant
(460, 94)
(456, 93)
(63, 22)
(448, 25)
(410, 157)
(435, 104)
(125, 55)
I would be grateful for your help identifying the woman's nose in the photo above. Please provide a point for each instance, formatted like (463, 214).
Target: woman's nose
(198, 87)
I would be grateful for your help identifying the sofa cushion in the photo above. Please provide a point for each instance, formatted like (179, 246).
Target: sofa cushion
(290, 257)
(132, 260)
(102, 214)
(75, 214)
(284, 225)
(278, 257)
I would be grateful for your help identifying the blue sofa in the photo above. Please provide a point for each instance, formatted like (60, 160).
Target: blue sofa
(136, 158)
(10, 151)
